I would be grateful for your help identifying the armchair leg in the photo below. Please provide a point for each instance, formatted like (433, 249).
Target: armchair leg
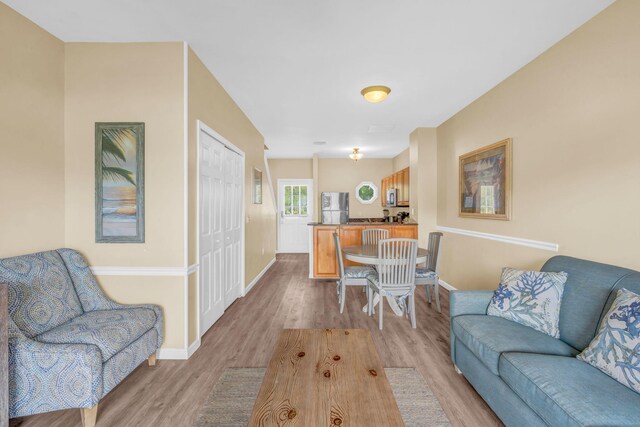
(89, 416)
(152, 360)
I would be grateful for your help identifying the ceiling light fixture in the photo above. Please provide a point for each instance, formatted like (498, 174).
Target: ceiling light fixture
(375, 93)
(356, 155)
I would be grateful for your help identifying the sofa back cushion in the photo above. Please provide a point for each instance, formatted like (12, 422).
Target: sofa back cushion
(630, 283)
(586, 292)
(41, 294)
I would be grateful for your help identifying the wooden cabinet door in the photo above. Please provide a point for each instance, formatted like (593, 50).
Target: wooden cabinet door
(403, 187)
(350, 235)
(325, 262)
(404, 232)
(383, 192)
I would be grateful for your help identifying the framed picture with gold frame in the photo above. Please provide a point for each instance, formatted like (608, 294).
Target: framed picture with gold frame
(485, 182)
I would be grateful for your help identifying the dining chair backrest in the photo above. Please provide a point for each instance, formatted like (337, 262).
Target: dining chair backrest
(397, 263)
(336, 240)
(371, 236)
(434, 251)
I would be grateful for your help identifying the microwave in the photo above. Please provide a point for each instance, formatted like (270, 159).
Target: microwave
(391, 197)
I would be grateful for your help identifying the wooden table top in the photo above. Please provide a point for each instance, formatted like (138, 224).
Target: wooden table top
(325, 377)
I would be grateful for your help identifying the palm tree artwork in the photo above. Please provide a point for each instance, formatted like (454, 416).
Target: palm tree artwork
(118, 169)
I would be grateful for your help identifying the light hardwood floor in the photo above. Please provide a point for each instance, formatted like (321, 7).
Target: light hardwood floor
(172, 393)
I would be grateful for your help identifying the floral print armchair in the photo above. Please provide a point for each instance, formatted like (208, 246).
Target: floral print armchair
(69, 344)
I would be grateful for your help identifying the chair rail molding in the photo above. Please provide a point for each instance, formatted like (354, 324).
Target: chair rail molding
(545, 246)
(145, 271)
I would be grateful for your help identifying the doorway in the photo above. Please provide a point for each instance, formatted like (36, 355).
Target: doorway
(220, 225)
(295, 211)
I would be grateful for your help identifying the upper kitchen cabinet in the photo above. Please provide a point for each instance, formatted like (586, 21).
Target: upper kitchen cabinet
(399, 181)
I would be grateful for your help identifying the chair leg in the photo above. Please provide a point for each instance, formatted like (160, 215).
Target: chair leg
(436, 290)
(412, 307)
(89, 416)
(343, 295)
(380, 305)
(152, 360)
(428, 290)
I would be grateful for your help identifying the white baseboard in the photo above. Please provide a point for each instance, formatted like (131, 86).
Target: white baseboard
(258, 277)
(446, 285)
(173, 354)
(193, 347)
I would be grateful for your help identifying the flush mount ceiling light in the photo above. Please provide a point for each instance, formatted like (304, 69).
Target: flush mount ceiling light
(356, 155)
(375, 93)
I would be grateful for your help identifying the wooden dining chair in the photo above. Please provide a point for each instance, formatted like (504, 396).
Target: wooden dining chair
(428, 275)
(371, 236)
(396, 267)
(349, 276)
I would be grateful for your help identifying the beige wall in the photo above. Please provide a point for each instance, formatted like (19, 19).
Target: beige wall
(210, 103)
(119, 82)
(401, 161)
(424, 180)
(32, 137)
(573, 116)
(345, 175)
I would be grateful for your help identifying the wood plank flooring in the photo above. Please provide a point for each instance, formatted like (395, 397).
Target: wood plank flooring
(172, 393)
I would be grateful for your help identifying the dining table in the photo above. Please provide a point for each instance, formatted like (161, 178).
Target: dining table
(368, 255)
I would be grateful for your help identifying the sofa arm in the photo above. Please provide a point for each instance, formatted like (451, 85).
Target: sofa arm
(46, 377)
(466, 302)
(469, 302)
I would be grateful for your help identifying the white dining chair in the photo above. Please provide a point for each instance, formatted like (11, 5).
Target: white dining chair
(428, 275)
(349, 276)
(396, 270)
(371, 236)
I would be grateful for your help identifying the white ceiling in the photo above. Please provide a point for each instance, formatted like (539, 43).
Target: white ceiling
(296, 67)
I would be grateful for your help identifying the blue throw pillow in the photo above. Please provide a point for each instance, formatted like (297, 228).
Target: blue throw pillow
(615, 349)
(531, 298)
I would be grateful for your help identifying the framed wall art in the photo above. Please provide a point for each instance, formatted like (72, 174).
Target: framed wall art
(256, 186)
(485, 182)
(119, 167)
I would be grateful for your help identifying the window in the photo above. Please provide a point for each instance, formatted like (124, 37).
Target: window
(295, 200)
(487, 199)
(366, 192)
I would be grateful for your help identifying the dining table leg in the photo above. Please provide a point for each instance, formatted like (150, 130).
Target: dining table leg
(392, 303)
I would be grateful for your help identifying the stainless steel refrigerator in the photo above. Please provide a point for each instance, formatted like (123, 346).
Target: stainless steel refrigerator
(335, 208)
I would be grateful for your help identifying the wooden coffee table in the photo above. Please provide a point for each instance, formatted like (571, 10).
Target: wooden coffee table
(325, 377)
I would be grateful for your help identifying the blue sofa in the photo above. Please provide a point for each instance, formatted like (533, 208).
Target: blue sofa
(531, 379)
(69, 344)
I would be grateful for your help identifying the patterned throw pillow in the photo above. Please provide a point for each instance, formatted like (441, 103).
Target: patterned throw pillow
(531, 298)
(615, 349)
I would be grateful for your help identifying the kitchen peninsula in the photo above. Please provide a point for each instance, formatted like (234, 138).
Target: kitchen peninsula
(323, 263)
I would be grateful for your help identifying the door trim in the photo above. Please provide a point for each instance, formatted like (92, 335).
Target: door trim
(278, 207)
(201, 126)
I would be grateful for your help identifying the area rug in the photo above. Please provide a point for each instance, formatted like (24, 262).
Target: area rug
(231, 400)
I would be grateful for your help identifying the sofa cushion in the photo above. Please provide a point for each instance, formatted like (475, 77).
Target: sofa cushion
(586, 291)
(488, 337)
(531, 298)
(565, 391)
(616, 348)
(110, 330)
(41, 294)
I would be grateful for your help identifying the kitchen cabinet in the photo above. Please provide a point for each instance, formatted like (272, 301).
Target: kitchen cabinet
(350, 235)
(399, 181)
(325, 263)
(404, 232)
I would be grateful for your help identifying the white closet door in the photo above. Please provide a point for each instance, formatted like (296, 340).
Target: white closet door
(232, 226)
(211, 159)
